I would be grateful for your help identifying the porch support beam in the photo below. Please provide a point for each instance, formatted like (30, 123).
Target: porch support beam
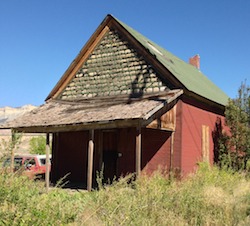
(138, 151)
(47, 164)
(12, 151)
(90, 159)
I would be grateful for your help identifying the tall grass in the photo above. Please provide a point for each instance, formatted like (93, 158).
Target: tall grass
(209, 197)
(24, 202)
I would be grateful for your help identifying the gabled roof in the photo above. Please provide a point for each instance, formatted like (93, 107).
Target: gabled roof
(190, 78)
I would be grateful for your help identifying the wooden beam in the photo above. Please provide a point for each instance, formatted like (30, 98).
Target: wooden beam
(90, 160)
(138, 151)
(109, 124)
(92, 42)
(166, 121)
(12, 159)
(171, 152)
(47, 173)
(205, 143)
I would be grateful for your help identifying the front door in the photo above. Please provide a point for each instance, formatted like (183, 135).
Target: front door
(110, 155)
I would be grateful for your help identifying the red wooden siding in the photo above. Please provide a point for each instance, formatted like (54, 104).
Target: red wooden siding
(177, 147)
(155, 150)
(70, 156)
(126, 147)
(193, 118)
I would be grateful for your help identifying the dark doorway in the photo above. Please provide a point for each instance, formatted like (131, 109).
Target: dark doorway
(110, 155)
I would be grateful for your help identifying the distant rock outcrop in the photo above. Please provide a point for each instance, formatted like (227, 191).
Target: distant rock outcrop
(9, 113)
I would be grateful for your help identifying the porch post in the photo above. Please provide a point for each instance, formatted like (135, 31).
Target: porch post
(12, 151)
(138, 151)
(90, 159)
(47, 173)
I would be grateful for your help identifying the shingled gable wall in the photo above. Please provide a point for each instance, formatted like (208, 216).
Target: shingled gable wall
(113, 68)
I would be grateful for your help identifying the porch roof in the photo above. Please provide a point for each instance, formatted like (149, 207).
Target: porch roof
(94, 113)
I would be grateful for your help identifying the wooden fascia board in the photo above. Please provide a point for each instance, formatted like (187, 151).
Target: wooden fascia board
(80, 58)
(111, 124)
(206, 103)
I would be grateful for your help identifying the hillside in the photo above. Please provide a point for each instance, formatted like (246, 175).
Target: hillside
(9, 113)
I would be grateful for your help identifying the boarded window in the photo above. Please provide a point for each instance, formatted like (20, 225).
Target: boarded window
(205, 143)
(167, 121)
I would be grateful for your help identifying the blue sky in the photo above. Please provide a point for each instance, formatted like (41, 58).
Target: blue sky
(39, 39)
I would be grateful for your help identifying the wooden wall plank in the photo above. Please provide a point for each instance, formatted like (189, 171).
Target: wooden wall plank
(205, 143)
(166, 122)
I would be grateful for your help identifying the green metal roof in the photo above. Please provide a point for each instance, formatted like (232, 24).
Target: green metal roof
(191, 78)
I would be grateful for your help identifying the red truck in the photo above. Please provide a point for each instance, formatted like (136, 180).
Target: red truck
(33, 166)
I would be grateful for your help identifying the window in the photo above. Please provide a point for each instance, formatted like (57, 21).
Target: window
(17, 162)
(30, 161)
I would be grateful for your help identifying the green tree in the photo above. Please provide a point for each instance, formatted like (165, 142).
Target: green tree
(235, 147)
(38, 145)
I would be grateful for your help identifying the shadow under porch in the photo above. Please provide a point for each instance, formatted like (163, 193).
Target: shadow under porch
(114, 154)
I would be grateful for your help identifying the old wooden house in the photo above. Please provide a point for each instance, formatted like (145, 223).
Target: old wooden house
(127, 105)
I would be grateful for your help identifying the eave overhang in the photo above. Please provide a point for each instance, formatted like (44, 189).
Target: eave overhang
(59, 116)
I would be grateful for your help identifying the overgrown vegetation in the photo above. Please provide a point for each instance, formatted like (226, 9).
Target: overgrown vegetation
(234, 149)
(210, 197)
(37, 145)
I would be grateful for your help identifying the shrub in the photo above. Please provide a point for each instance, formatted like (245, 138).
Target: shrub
(38, 145)
(235, 147)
